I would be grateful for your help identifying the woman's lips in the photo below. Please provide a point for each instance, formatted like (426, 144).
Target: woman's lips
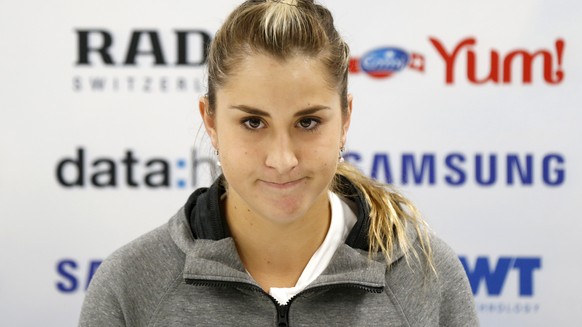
(283, 185)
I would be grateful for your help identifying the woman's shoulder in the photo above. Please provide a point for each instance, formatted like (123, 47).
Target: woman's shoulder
(442, 263)
(433, 289)
(147, 251)
(134, 278)
(445, 259)
(153, 253)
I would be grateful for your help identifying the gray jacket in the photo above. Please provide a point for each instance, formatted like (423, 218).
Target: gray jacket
(188, 273)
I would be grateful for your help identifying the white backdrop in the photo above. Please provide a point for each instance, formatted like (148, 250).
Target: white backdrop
(478, 123)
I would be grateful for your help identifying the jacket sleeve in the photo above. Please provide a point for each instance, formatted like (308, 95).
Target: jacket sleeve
(132, 282)
(457, 305)
(101, 306)
(427, 297)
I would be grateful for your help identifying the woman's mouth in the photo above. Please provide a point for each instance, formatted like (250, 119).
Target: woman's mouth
(283, 185)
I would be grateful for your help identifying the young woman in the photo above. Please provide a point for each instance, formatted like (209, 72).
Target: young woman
(289, 235)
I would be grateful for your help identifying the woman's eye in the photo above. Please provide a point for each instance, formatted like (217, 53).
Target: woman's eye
(253, 123)
(308, 123)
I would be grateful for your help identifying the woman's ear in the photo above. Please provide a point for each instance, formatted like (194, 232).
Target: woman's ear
(346, 120)
(209, 120)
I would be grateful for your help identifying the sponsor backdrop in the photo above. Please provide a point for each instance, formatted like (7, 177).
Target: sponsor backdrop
(472, 109)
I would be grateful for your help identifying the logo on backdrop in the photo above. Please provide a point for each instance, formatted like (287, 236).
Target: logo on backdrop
(488, 278)
(547, 62)
(167, 60)
(385, 62)
(132, 170)
(75, 275)
(458, 169)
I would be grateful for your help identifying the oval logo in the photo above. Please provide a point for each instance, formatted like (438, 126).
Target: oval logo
(384, 62)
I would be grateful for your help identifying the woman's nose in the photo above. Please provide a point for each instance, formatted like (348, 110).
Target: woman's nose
(281, 154)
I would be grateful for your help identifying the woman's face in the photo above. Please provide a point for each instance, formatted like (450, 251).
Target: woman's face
(279, 128)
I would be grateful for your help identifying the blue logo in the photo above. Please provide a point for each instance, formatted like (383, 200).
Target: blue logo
(383, 62)
(75, 275)
(458, 169)
(493, 276)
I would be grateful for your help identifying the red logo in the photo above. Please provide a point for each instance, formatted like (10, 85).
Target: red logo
(501, 65)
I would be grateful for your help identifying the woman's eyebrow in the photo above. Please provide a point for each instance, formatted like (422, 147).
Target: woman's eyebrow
(311, 110)
(251, 110)
(259, 112)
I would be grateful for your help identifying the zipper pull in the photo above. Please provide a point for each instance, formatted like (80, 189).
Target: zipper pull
(283, 318)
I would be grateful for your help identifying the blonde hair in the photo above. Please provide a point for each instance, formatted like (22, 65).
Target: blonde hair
(281, 29)
(287, 28)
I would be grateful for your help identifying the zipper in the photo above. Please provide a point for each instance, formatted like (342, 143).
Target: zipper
(217, 283)
(282, 310)
(282, 315)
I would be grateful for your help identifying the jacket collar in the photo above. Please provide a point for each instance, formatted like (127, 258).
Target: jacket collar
(218, 261)
(201, 232)
(204, 212)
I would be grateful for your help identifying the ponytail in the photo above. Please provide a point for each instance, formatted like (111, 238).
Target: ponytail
(391, 218)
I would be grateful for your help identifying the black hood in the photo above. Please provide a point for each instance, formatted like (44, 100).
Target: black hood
(207, 219)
